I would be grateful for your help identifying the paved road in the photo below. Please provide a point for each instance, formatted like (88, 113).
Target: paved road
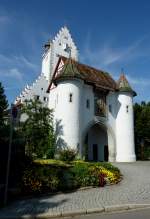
(134, 189)
(138, 214)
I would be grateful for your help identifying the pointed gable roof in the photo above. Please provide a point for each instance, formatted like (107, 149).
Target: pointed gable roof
(69, 69)
(123, 85)
(73, 69)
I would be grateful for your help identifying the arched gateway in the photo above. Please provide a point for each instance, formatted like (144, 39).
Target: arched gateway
(99, 142)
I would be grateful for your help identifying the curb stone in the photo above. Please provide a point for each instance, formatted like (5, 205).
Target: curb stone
(107, 209)
(74, 213)
(95, 210)
(116, 208)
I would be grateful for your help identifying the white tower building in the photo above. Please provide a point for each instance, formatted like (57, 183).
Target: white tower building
(92, 112)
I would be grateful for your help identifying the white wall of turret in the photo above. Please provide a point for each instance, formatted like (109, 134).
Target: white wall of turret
(125, 128)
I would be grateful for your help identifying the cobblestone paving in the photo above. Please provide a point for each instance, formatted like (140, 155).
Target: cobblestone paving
(133, 189)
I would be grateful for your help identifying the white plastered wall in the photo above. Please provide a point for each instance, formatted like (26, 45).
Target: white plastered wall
(38, 88)
(111, 124)
(125, 128)
(58, 47)
(68, 114)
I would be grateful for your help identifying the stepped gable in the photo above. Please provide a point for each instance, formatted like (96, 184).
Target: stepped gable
(28, 91)
(74, 69)
(124, 86)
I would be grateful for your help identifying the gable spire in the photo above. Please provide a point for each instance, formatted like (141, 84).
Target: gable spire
(123, 84)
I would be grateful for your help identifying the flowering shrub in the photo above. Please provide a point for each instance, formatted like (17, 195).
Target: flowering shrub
(31, 182)
(67, 155)
(49, 177)
(111, 177)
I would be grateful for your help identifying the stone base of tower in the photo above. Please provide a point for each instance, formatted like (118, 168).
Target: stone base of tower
(129, 158)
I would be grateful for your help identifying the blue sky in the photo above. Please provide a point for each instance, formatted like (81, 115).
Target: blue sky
(110, 35)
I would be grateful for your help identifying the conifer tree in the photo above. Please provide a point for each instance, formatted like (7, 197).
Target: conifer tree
(3, 107)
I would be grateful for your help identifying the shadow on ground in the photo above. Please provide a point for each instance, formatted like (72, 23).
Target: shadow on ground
(31, 207)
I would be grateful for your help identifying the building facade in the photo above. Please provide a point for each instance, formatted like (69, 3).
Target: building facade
(93, 113)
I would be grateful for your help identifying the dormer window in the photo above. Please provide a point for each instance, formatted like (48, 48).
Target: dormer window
(70, 97)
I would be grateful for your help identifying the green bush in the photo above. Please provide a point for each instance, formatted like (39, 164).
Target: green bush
(67, 155)
(83, 175)
(41, 178)
(46, 176)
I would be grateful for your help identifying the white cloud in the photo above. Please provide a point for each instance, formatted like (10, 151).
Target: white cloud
(25, 62)
(15, 73)
(106, 54)
(139, 81)
(14, 70)
(12, 73)
(12, 62)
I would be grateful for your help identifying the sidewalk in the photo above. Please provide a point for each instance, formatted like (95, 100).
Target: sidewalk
(132, 192)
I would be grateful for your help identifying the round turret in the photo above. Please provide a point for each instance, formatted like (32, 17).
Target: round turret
(125, 148)
(69, 105)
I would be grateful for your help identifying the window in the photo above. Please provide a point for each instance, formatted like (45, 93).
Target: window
(88, 103)
(127, 108)
(36, 97)
(42, 88)
(45, 99)
(70, 97)
(65, 37)
(110, 108)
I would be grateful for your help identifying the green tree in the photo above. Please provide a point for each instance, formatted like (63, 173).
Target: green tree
(3, 109)
(142, 124)
(4, 133)
(38, 130)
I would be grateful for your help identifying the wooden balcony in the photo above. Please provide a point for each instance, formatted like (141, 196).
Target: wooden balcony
(100, 106)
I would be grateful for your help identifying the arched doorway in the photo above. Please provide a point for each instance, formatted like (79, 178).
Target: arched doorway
(96, 143)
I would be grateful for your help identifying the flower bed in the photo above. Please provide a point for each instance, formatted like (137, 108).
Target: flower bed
(53, 175)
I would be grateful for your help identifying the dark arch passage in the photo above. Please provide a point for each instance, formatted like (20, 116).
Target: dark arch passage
(96, 143)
